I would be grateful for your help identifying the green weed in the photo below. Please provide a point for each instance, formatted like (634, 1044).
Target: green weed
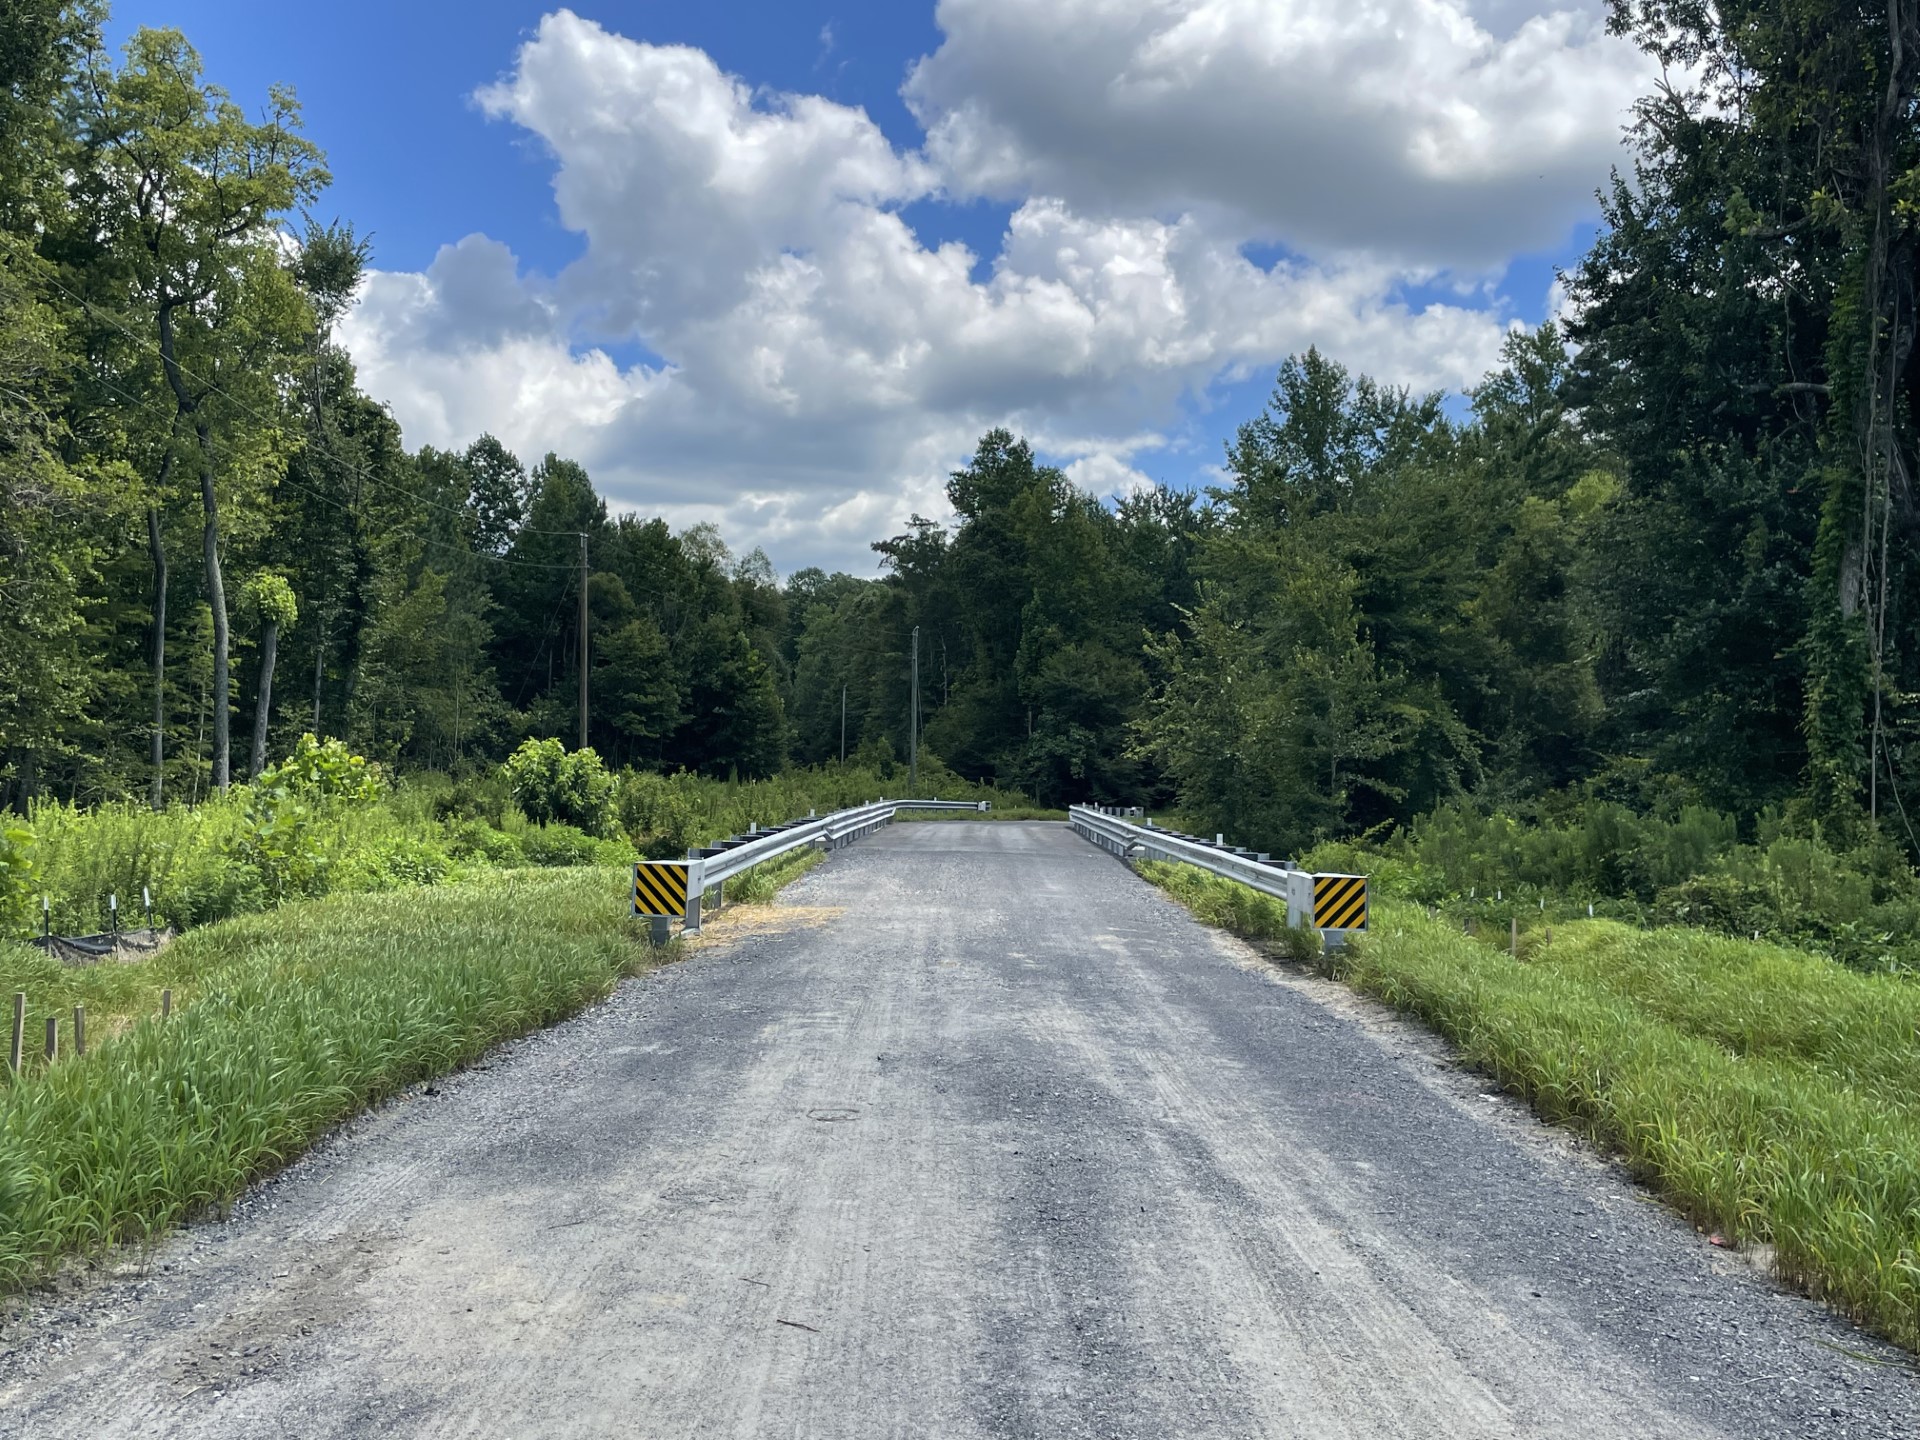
(1765, 1091)
(285, 1024)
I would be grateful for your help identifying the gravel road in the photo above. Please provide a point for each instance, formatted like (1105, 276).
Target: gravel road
(974, 1135)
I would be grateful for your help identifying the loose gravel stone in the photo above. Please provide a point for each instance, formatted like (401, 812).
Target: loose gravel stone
(975, 1135)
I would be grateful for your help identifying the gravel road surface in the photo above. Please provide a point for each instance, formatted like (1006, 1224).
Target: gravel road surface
(974, 1135)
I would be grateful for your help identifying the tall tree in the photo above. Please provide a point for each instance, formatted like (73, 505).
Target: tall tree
(198, 189)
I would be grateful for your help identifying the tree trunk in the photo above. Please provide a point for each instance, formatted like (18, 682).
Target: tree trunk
(269, 652)
(158, 550)
(217, 601)
(319, 662)
(188, 403)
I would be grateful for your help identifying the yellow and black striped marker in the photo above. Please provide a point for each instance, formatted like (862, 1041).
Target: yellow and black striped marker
(1339, 902)
(660, 887)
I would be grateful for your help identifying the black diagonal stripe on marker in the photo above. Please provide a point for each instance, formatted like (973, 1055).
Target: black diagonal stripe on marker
(671, 878)
(1331, 890)
(658, 902)
(1344, 891)
(1333, 898)
(649, 902)
(1351, 907)
(1351, 915)
(659, 896)
(1340, 908)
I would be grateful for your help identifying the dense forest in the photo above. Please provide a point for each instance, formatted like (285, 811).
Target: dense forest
(1660, 558)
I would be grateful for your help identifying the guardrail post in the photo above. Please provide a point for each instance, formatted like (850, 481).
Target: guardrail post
(657, 930)
(696, 891)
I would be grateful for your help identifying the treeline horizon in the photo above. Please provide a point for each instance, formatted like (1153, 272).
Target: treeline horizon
(1659, 559)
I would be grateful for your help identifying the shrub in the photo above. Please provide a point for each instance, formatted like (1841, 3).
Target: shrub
(16, 880)
(1722, 902)
(656, 815)
(281, 843)
(475, 797)
(477, 840)
(558, 845)
(395, 863)
(324, 770)
(550, 785)
(220, 889)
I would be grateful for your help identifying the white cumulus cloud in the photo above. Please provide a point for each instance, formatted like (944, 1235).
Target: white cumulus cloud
(1405, 128)
(822, 368)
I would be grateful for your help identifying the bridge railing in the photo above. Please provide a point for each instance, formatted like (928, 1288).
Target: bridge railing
(1326, 902)
(712, 865)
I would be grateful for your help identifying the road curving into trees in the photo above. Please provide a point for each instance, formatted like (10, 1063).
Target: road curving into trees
(975, 1135)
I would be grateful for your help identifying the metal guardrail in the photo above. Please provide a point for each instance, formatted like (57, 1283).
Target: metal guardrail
(712, 865)
(1284, 881)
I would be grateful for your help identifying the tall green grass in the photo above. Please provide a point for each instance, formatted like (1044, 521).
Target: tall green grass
(1766, 1092)
(228, 857)
(292, 1021)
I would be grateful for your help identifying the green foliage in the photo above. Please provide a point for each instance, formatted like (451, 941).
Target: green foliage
(281, 842)
(269, 598)
(478, 841)
(658, 815)
(395, 863)
(1234, 907)
(550, 783)
(324, 770)
(1764, 1091)
(1791, 884)
(557, 844)
(283, 1027)
(16, 879)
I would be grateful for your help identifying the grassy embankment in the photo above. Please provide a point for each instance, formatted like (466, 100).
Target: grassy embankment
(1766, 1092)
(234, 855)
(283, 1025)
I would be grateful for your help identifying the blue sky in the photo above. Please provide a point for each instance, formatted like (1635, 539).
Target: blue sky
(1108, 308)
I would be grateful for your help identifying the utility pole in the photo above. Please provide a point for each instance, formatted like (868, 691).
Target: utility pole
(843, 724)
(583, 639)
(913, 725)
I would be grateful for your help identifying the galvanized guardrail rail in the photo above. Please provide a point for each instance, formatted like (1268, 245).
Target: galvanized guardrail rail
(665, 888)
(1332, 904)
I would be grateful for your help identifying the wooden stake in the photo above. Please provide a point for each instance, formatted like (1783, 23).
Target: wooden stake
(1513, 941)
(53, 1038)
(19, 1030)
(166, 1003)
(79, 1030)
